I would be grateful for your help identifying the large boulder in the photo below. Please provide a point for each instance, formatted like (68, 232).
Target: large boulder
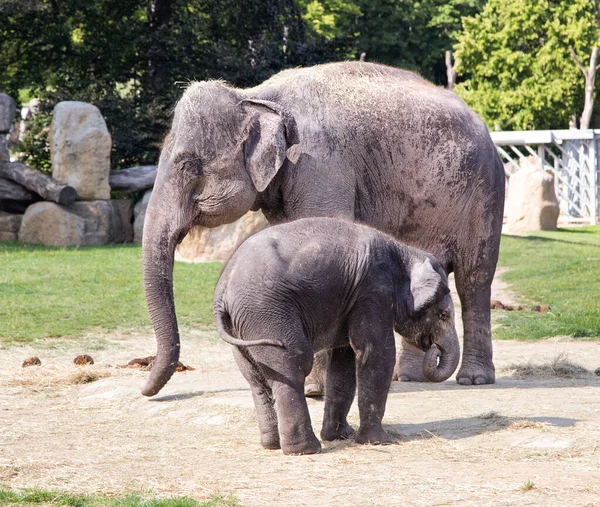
(80, 149)
(79, 224)
(8, 109)
(9, 226)
(217, 244)
(139, 215)
(532, 204)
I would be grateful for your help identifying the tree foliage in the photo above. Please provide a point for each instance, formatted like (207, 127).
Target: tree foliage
(515, 57)
(412, 35)
(128, 56)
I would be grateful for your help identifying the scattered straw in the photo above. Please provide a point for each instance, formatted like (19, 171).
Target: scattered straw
(559, 367)
(494, 420)
(48, 377)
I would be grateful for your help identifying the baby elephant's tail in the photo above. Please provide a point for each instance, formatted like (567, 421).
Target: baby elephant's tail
(223, 322)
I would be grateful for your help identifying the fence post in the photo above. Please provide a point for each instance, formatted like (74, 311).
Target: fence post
(594, 165)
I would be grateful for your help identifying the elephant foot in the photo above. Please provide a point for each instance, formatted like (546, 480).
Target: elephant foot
(314, 385)
(409, 364)
(314, 390)
(473, 372)
(310, 446)
(270, 441)
(374, 435)
(337, 431)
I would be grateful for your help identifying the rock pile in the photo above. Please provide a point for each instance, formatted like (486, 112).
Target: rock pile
(74, 207)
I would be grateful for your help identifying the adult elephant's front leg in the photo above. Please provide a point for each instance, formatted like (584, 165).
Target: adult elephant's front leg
(477, 365)
(409, 363)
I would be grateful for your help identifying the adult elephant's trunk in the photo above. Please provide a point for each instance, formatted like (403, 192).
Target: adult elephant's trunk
(159, 241)
(447, 350)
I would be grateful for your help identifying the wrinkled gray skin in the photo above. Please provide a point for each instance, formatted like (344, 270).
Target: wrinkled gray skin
(366, 142)
(323, 283)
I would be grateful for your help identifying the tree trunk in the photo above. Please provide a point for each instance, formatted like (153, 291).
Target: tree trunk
(450, 71)
(133, 179)
(11, 191)
(590, 78)
(48, 188)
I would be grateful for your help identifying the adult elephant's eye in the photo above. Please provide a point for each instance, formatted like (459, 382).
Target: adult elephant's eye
(189, 164)
(193, 166)
(443, 315)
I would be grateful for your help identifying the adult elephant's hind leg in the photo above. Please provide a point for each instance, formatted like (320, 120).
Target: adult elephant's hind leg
(262, 395)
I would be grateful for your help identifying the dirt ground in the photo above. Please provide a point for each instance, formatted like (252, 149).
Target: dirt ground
(517, 442)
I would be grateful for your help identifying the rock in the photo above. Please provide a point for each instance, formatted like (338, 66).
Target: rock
(8, 236)
(217, 244)
(139, 214)
(83, 360)
(31, 361)
(10, 222)
(532, 204)
(9, 226)
(80, 149)
(8, 110)
(79, 224)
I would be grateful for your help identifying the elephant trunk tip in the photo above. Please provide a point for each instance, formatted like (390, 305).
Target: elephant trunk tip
(159, 376)
(435, 372)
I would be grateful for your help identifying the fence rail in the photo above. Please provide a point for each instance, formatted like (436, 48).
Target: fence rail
(573, 157)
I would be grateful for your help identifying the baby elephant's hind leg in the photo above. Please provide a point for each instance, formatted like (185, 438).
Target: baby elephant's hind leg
(339, 394)
(285, 370)
(263, 399)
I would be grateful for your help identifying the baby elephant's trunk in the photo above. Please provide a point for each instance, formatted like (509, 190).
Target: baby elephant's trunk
(448, 353)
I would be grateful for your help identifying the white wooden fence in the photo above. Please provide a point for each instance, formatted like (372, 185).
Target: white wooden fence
(573, 157)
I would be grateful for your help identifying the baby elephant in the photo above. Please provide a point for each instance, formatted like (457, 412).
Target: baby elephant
(322, 283)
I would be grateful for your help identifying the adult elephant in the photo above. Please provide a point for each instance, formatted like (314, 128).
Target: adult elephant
(367, 142)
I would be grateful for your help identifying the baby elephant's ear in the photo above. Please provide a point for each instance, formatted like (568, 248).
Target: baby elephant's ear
(427, 287)
(272, 131)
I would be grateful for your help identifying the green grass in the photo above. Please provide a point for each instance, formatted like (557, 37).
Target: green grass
(69, 292)
(66, 292)
(560, 269)
(39, 498)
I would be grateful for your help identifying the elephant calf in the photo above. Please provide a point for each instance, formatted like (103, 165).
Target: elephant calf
(323, 283)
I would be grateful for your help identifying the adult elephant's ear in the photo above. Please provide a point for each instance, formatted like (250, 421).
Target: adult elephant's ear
(272, 131)
(427, 287)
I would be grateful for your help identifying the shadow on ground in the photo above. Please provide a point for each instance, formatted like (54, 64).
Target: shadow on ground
(465, 427)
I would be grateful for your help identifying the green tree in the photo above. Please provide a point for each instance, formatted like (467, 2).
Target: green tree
(128, 56)
(412, 35)
(516, 63)
(331, 18)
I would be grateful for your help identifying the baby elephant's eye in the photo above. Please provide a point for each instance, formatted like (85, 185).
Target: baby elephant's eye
(444, 315)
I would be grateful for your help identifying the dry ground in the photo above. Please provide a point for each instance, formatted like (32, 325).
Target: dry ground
(518, 442)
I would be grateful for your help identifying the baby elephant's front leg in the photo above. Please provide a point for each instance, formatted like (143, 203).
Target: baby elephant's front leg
(374, 377)
(375, 352)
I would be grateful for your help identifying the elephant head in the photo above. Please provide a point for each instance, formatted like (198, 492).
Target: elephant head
(427, 320)
(223, 149)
